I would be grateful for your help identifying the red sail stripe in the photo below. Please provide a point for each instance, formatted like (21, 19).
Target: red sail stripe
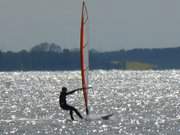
(82, 59)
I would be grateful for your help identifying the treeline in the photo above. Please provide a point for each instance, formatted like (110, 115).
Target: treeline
(52, 57)
(159, 58)
(41, 57)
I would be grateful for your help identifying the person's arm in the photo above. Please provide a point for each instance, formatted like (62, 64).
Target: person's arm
(71, 92)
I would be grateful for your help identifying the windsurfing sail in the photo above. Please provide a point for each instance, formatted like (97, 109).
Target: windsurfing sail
(84, 53)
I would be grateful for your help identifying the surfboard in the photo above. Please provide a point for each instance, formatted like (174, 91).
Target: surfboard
(106, 116)
(93, 117)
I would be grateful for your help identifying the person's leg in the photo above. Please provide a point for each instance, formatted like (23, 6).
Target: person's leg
(74, 109)
(71, 108)
(71, 114)
(68, 108)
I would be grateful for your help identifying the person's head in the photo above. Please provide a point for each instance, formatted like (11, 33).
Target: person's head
(64, 89)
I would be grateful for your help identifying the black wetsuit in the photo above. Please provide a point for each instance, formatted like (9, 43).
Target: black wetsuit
(65, 106)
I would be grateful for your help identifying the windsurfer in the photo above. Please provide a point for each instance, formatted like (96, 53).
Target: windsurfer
(64, 105)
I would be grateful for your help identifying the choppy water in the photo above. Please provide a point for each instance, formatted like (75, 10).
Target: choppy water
(143, 103)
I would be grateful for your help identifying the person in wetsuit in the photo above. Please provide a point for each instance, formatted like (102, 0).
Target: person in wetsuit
(64, 105)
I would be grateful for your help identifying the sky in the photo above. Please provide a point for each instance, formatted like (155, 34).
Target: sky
(114, 24)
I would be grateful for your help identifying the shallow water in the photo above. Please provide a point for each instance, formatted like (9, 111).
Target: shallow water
(143, 102)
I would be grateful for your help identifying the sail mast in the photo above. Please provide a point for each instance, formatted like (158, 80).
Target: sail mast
(84, 53)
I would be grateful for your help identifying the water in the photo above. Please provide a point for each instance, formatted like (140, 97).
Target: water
(143, 103)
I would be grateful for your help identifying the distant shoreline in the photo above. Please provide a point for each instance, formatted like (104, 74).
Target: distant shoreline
(50, 57)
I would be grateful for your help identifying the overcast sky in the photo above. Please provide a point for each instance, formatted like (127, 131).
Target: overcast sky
(114, 24)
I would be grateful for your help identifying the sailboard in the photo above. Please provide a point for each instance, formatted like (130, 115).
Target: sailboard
(84, 60)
